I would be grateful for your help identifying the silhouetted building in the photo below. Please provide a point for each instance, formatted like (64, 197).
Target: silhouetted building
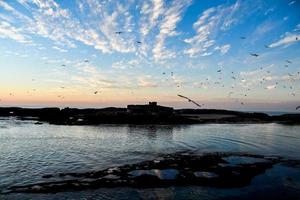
(151, 108)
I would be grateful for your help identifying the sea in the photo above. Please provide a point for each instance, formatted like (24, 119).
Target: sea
(28, 151)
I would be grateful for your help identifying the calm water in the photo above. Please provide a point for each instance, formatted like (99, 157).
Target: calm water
(29, 151)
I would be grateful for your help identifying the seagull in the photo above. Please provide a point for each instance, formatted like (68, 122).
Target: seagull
(219, 70)
(190, 100)
(86, 61)
(139, 42)
(118, 32)
(297, 107)
(164, 73)
(288, 61)
(254, 54)
(243, 38)
(63, 65)
(267, 46)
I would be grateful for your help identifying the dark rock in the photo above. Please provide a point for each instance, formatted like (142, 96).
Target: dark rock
(225, 170)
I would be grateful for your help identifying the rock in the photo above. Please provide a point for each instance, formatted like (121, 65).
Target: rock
(241, 160)
(111, 176)
(113, 169)
(208, 175)
(225, 170)
(163, 174)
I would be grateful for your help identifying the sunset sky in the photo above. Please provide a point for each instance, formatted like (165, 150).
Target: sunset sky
(60, 52)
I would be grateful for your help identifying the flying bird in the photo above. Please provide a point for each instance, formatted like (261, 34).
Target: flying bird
(63, 65)
(297, 107)
(95, 92)
(288, 61)
(86, 61)
(243, 38)
(254, 54)
(139, 42)
(190, 100)
(118, 32)
(219, 70)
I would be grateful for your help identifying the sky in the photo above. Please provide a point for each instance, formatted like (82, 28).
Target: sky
(241, 55)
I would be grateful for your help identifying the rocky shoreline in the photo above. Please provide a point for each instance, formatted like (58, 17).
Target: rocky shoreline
(111, 115)
(219, 169)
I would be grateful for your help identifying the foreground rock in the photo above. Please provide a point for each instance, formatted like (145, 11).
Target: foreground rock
(226, 170)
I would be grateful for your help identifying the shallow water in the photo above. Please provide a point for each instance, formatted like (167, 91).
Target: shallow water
(29, 151)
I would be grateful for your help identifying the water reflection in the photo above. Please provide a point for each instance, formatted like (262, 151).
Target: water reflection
(28, 151)
(151, 131)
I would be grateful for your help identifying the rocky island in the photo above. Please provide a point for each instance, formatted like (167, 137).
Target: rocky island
(142, 114)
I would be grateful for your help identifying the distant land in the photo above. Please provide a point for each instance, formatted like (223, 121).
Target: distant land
(151, 113)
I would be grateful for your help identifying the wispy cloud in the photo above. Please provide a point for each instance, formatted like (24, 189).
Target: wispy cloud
(60, 49)
(8, 31)
(207, 27)
(212, 23)
(291, 3)
(147, 81)
(287, 39)
(121, 65)
(150, 12)
(172, 16)
(223, 49)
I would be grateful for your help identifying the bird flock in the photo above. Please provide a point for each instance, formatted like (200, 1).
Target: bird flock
(233, 76)
(261, 82)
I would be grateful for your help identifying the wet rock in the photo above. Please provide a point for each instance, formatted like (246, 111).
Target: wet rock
(163, 174)
(226, 170)
(111, 176)
(208, 175)
(241, 160)
(113, 169)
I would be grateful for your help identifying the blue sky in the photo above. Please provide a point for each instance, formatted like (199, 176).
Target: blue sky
(59, 52)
